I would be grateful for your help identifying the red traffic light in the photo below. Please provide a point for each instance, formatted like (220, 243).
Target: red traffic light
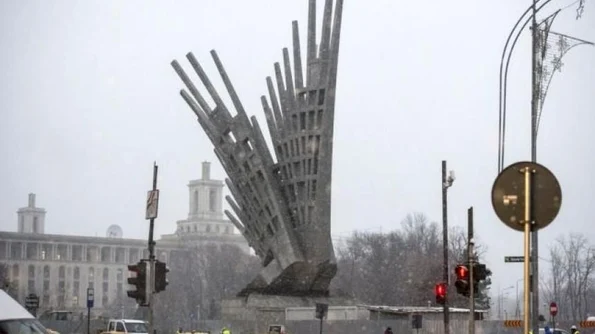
(440, 289)
(462, 272)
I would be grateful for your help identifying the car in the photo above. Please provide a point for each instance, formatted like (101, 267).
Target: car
(15, 319)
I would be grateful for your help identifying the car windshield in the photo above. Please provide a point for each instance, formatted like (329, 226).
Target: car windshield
(136, 327)
(22, 326)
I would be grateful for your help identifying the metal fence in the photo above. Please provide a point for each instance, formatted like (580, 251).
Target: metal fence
(313, 327)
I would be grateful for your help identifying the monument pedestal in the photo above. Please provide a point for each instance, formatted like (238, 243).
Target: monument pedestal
(254, 313)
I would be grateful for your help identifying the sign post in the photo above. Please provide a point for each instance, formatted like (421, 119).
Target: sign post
(553, 313)
(150, 215)
(32, 303)
(90, 301)
(514, 194)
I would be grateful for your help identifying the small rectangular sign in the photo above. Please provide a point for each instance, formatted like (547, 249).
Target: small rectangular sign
(514, 259)
(152, 204)
(90, 297)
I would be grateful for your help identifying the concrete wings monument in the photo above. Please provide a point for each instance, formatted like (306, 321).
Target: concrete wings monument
(281, 203)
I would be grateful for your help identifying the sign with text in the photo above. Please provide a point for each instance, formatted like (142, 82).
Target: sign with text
(514, 259)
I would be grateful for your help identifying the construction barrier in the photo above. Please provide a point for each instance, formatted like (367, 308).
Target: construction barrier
(587, 324)
(513, 323)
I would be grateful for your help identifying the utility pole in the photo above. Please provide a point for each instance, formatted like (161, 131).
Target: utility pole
(151, 214)
(446, 183)
(471, 257)
(534, 105)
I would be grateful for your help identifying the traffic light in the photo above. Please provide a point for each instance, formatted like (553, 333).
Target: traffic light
(440, 292)
(161, 271)
(141, 270)
(462, 283)
(480, 272)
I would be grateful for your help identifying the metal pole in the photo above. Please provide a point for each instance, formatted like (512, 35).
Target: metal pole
(321, 325)
(152, 256)
(534, 105)
(527, 223)
(471, 257)
(88, 320)
(445, 247)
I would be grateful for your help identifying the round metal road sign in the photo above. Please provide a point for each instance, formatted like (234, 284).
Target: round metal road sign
(508, 195)
(553, 309)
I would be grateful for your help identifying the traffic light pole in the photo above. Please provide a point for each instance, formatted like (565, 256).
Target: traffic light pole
(151, 277)
(471, 257)
(445, 247)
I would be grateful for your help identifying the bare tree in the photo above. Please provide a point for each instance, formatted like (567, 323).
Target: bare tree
(570, 282)
(400, 267)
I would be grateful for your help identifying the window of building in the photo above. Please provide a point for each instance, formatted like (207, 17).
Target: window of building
(228, 230)
(46, 272)
(76, 287)
(61, 273)
(120, 255)
(46, 252)
(77, 253)
(3, 249)
(104, 300)
(217, 228)
(120, 290)
(91, 274)
(77, 273)
(62, 253)
(213, 200)
(91, 285)
(92, 253)
(46, 286)
(208, 228)
(31, 286)
(45, 301)
(105, 274)
(35, 225)
(21, 224)
(133, 255)
(31, 271)
(31, 250)
(15, 250)
(119, 275)
(106, 253)
(195, 202)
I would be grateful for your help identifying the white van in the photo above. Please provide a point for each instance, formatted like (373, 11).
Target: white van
(15, 319)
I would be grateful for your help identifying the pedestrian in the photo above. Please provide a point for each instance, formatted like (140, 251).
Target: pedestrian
(574, 330)
(225, 330)
(388, 330)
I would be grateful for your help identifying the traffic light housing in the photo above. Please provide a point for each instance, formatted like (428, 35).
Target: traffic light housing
(139, 280)
(462, 283)
(161, 271)
(440, 291)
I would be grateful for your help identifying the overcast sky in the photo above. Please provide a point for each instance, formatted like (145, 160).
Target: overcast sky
(89, 100)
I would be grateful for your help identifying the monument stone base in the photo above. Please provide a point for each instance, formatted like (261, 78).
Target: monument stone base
(256, 312)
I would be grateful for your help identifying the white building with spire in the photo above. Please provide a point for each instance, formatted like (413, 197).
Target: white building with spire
(206, 222)
(60, 268)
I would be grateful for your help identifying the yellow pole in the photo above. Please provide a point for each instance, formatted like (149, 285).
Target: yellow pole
(527, 222)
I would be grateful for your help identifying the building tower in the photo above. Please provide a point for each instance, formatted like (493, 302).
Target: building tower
(31, 218)
(206, 196)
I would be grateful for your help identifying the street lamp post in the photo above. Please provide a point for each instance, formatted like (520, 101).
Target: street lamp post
(447, 182)
(501, 294)
(517, 311)
(543, 66)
